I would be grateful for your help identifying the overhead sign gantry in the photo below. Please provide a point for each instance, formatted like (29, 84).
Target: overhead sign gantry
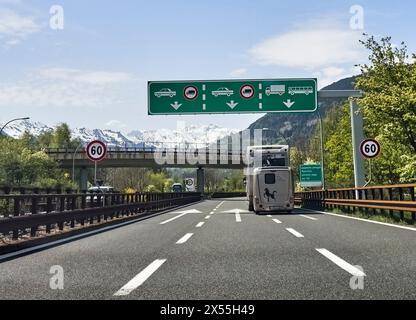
(232, 96)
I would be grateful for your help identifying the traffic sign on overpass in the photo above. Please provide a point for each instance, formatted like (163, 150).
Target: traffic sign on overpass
(232, 96)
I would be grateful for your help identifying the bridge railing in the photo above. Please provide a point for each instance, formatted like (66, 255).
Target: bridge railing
(25, 216)
(372, 200)
(152, 149)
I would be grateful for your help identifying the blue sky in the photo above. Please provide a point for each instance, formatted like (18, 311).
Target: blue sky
(94, 72)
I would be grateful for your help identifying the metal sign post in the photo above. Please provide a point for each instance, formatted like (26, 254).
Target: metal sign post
(95, 173)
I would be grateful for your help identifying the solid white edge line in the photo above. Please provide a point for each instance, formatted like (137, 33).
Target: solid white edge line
(341, 263)
(174, 218)
(295, 233)
(199, 225)
(307, 217)
(364, 220)
(138, 280)
(277, 221)
(185, 238)
(237, 217)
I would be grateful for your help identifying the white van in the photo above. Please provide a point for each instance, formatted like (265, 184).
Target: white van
(273, 189)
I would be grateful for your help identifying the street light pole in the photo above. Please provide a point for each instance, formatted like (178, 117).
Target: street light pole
(7, 123)
(73, 163)
(322, 147)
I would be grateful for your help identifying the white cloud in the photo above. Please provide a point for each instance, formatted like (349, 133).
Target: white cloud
(62, 87)
(14, 25)
(312, 46)
(116, 124)
(88, 77)
(238, 72)
(332, 74)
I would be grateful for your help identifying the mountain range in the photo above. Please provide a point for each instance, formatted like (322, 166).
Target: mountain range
(193, 135)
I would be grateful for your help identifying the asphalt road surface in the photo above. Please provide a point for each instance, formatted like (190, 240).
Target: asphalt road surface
(217, 250)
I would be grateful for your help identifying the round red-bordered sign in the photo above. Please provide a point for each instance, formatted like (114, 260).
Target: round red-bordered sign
(247, 91)
(190, 92)
(370, 148)
(96, 150)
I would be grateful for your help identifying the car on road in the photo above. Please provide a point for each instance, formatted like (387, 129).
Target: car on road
(95, 192)
(223, 92)
(165, 93)
(177, 187)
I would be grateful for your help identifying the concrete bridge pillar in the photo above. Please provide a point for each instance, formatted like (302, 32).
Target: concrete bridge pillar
(83, 183)
(200, 180)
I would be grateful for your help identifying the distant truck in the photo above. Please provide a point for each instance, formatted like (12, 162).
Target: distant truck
(273, 189)
(276, 89)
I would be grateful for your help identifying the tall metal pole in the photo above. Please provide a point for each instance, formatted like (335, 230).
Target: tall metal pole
(357, 132)
(322, 147)
(73, 163)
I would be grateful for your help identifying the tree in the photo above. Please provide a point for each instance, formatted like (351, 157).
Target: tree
(389, 105)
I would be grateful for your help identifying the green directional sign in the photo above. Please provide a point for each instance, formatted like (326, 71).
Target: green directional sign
(310, 175)
(232, 96)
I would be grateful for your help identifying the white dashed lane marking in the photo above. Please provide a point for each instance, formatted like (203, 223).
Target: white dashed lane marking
(341, 263)
(308, 217)
(140, 278)
(295, 233)
(185, 238)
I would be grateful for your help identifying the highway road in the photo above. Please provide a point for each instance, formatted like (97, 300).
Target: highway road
(215, 249)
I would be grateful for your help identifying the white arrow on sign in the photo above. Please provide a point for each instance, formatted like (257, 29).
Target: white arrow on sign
(176, 105)
(232, 104)
(289, 103)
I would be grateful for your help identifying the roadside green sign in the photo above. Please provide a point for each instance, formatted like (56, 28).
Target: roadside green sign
(232, 96)
(310, 175)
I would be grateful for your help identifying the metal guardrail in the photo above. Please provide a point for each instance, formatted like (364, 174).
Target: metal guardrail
(391, 198)
(34, 214)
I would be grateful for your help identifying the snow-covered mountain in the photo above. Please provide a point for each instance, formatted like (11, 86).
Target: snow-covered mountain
(190, 135)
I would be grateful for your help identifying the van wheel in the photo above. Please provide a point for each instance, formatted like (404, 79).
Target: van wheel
(251, 207)
(289, 212)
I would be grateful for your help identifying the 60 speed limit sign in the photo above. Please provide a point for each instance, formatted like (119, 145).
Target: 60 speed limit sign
(370, 148)
(96, 150)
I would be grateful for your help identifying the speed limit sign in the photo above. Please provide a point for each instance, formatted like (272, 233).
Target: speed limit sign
(96, 150)
(370, 148)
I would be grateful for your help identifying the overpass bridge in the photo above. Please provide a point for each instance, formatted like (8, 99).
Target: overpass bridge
(151, 157)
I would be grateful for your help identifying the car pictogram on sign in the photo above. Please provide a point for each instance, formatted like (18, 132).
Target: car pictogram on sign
(166, 92)
(223, 92)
